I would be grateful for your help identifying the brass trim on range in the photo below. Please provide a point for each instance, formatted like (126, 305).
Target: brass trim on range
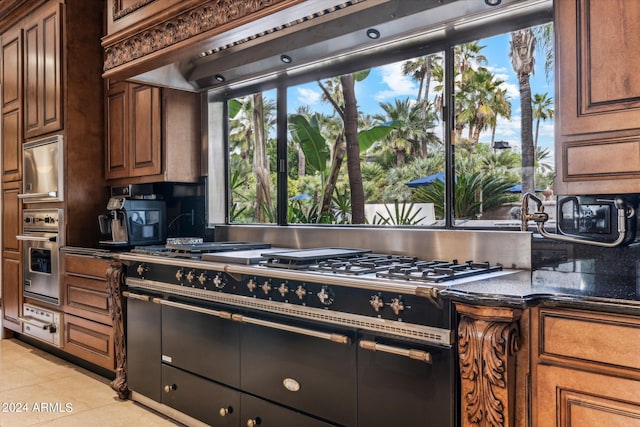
(427, 334)
(422, 356)
(337, 338)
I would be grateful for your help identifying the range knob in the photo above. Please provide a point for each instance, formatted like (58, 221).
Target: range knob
(252, 285)
(179, 275)
(217, 281)
(325, 296)
(376, 302)
(283, 289)
(202, 278)
(301, 292)
(142, 268)
(397, 305)
(266, 287)
(190, 276)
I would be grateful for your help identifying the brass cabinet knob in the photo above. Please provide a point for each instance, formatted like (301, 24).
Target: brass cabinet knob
(169, 388)
(225, 411)
(253, 422)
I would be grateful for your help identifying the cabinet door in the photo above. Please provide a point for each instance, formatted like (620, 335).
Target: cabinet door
(43, 104)
(11, 291)
(145, 131)
(89, 340)
(11, 256)
(116, 147)
(11, 221)
(573, 398)
(598, 96)
(11, 78)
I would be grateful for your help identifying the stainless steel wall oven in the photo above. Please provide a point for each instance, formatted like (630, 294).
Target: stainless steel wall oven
(41, 239)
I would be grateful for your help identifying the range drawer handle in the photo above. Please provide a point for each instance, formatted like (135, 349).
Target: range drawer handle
(139, 297)
(422, 356)
(337, 338)
(188, 307)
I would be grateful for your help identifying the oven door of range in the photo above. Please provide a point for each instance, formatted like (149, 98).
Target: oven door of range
(308, 366)
(402, 383)
(41, 266)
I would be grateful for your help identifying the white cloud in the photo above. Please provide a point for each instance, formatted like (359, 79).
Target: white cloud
(308, 96)
(398, 83)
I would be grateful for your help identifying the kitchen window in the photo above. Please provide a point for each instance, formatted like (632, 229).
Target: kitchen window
(373, 145)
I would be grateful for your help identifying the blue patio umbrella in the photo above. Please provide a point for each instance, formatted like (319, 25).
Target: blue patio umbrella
(425, 180)
(517, 188)
(300, 197)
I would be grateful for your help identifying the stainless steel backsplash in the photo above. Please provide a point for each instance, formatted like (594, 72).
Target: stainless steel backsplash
(512, 249)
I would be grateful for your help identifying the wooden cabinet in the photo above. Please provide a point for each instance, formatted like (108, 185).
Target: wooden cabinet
(11, 126)
(88, 331)
(586, 368)
(42, 68)
(152, 134)
(597, 97)
(11, 256)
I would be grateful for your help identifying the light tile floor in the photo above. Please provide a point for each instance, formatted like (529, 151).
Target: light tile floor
(39, 389)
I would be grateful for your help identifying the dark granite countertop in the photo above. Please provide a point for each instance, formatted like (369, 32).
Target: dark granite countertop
(571, 275)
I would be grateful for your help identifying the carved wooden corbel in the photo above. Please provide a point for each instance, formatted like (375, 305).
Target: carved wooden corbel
(488, 339)
(115, 281)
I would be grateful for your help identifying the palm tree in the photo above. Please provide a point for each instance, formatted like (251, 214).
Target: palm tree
(501, 106)
(542, 109)
(406, 139)
(521, 52)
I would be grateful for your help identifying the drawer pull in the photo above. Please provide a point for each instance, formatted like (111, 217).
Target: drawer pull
(139, 297)
(169, 388)
(225, 411)
(422, 356)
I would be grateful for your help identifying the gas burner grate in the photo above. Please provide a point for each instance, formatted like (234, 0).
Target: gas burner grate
(438, 271)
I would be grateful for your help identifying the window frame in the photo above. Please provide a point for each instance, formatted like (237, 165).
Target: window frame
(282, 82)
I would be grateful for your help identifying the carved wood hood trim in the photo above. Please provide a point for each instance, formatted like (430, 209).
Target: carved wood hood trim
(207, 20)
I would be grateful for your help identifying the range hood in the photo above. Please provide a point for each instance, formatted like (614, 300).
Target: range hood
(324, 37)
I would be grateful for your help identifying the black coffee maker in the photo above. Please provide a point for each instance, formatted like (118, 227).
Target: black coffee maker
(134, 222)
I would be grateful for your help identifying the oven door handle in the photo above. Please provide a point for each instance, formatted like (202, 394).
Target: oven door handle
(189, 307)
(422, 356)
(145, 298)
(337, 338)
(36, 238)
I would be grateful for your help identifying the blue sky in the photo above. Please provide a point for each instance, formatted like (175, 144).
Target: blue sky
(387, 82)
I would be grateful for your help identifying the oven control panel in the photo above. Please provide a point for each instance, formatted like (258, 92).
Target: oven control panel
(47, 220)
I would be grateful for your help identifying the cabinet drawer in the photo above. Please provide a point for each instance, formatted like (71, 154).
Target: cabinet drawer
(89, 340)
(590, 340)
(85, 266)
(86, 298)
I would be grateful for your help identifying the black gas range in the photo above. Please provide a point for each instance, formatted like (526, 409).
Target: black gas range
(382, 293)
(370, 325)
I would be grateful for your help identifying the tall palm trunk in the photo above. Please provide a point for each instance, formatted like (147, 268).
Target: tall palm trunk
(336, 163)
(522, 60)
(353, 149)
(261, 162)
